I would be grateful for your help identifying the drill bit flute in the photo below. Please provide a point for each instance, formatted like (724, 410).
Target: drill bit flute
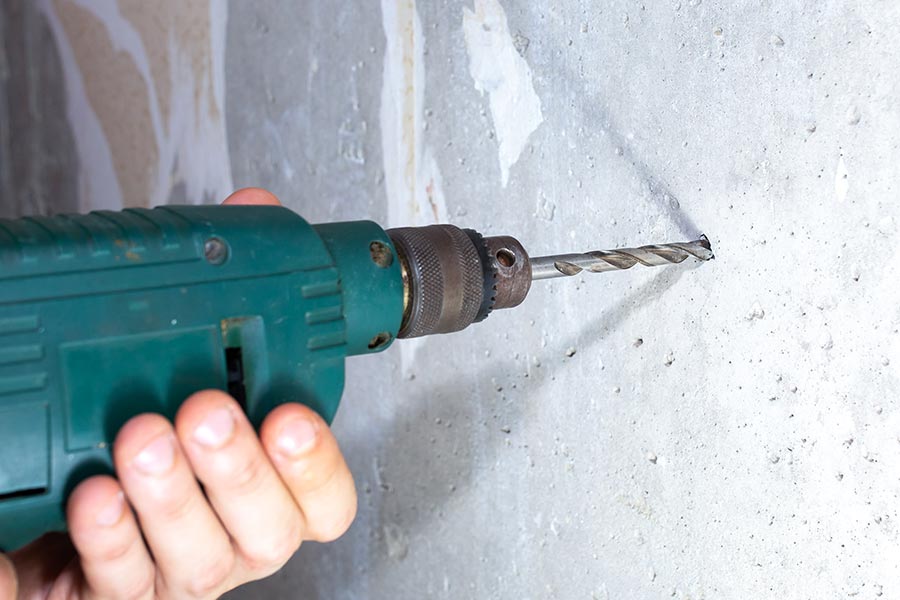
(599, 261)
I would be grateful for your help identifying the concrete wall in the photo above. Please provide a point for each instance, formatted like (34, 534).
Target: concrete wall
(730, 431)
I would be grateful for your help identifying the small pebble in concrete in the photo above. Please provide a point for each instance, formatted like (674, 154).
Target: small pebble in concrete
(756, 312)
(853, 115)
(777, 40)
(670, 358)
(638, 342)
(651, 456)
(396, 541)
(571, 352)
(521, 43)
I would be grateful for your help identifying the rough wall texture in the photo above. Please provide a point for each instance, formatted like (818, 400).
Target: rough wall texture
(37, 160)
(723, 432)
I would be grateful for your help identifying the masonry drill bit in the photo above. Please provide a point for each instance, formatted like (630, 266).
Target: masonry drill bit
(599, 261)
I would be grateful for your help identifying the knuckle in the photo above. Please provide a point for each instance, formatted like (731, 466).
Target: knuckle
(315, 475)
(248, 476)
(329, 531)
(140, 587)
(175, 506)
(117, 550)
(208, 582)
(271, 556)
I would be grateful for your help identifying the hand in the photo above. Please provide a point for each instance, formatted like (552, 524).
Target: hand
(155, 533)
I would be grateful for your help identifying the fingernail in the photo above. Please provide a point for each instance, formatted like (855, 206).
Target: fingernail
(296, 437)
(216, 429)
(111, 515)
(157, 457)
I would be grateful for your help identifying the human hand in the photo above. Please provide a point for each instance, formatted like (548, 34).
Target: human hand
(153, 532)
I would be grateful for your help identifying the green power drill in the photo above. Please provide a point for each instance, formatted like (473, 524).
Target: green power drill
(111, 314)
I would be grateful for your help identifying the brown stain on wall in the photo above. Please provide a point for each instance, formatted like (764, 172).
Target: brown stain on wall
(152, 20)
(118, 95)
(187, 25)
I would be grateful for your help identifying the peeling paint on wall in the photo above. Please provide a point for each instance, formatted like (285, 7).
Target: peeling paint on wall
(145, 92)
(411, 175)
(499, 69)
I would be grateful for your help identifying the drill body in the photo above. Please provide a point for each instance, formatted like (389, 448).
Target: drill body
(112, 314)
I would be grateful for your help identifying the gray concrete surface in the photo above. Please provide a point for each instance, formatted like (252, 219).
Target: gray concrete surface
(37, 159)
(730, 431)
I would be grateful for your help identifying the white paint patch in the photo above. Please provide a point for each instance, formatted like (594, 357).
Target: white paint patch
(499, 70)
(841, 181)
(412, 179)
(191, 142)
(411, 175)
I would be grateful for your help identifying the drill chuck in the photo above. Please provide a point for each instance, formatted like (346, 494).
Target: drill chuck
(454, 277)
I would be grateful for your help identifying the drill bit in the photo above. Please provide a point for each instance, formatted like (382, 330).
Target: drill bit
(598, 261)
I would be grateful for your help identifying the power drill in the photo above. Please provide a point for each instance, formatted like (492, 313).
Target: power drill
(108, 315)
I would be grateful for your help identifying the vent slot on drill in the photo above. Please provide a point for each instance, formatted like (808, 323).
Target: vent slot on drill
(23, 494)
(234, 362)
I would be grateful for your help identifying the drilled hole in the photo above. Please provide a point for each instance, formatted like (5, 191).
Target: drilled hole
(506, 258)
(381, 254)
(380, 341)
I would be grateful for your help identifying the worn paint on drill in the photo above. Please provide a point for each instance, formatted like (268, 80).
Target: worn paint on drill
(145, 86)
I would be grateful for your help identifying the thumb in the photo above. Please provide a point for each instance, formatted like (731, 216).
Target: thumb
(8, 584)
